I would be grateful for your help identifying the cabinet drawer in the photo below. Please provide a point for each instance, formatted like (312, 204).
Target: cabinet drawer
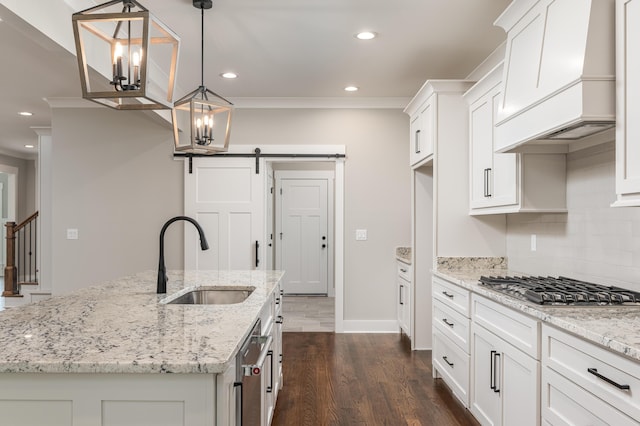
(590, 366)
(451, 295)
(452, 324)
(565, 403)
(404, 271)
(453, 365)
(518, 329)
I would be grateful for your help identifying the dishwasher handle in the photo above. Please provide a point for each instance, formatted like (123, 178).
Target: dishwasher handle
(256, 369)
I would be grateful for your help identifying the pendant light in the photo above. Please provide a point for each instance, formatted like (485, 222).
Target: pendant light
(202, 118)
(121, 39)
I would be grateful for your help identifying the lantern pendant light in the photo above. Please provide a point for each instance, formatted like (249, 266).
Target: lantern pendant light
(202, 118)
(138, 53)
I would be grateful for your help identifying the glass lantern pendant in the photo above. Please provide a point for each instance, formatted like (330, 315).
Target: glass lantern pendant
(127, 58)
(202, 118)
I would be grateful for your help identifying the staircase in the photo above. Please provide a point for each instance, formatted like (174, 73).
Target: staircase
(21, 285)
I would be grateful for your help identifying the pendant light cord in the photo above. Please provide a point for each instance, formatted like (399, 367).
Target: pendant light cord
(202, 47)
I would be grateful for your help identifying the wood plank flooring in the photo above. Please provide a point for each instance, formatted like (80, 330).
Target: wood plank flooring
(361, 379)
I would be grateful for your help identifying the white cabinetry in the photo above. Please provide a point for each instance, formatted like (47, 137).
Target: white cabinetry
(507, 183)
(271, 379)
(451, 337)
(422, 130)
(403, 280)
(586, 384)
(505, 365)
(628, 102)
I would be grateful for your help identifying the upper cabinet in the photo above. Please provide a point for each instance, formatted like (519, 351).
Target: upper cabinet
(423, 112)
(628, 103)
(507, 183)
(559, 74)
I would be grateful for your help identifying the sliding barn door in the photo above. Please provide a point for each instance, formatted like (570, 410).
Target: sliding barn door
(226, 196)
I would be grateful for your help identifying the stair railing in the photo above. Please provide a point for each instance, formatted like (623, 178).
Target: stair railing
(22, 255)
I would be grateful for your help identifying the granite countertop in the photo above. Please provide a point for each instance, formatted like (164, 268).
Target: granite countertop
(616, 328)
(403, 254)
(119, 327)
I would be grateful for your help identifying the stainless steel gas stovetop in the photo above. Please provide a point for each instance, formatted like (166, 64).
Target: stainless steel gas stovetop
(561, 291)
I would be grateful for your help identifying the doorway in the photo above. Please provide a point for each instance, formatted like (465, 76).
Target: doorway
(8, 206)
(304, 234)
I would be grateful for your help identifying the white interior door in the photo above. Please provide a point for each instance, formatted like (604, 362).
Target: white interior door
(303, 235)
(270, 203)
(226, 197)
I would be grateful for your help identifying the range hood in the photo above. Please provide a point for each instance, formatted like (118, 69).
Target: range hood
(559, 74)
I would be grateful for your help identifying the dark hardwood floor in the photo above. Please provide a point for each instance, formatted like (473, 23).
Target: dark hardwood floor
(361, 379)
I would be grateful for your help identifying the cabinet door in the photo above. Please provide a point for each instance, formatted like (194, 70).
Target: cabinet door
(423, 131)
(481, 149)
(486, 393)
(226, 196)
(505, 168)
(628, 102)
(406, 312)
(520, 388)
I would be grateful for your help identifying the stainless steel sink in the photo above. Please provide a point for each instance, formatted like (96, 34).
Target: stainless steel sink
(211, 296)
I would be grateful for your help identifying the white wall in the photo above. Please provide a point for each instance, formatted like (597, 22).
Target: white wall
(115, 180)
(593, 241)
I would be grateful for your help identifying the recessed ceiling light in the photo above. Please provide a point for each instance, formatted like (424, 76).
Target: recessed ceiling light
(28, 146)
(229, 75)
(351, 89)
(366, 35)
(26, 113)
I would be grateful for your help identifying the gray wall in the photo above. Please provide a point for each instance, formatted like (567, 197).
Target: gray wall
(593, 241)
(115, 180)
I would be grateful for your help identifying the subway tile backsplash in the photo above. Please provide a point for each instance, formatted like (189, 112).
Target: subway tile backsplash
(593, 241)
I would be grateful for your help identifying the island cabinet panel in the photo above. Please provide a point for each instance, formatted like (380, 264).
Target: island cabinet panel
(68, 399)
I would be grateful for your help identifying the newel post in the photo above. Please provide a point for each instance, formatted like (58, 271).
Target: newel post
(10, 270)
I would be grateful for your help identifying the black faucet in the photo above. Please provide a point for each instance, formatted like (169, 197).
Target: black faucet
(162, 271)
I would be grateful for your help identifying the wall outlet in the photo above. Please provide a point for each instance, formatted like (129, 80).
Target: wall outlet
(72, 234)
(361, 235)
(534, 242)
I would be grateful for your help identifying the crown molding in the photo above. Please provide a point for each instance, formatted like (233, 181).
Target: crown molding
(355, 103)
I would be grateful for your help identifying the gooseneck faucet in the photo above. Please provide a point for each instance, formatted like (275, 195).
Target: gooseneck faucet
(162, 271)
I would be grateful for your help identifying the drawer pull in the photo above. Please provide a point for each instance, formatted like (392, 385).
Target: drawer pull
(450, 324)
(450, 296)
(404, 271)
(447, 361)
(594, 371)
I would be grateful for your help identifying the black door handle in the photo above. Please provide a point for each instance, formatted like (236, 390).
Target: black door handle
(324, 245)
(257, 249)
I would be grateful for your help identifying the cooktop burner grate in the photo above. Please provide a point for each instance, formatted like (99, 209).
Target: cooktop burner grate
(561, 291)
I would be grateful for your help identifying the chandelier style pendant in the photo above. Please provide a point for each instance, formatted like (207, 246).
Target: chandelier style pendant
(127, 58)
(202, 118)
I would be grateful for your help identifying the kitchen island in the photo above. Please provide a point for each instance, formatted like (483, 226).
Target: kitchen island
(100, 356)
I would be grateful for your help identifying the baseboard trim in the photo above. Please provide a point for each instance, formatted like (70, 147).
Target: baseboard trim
(371, 326)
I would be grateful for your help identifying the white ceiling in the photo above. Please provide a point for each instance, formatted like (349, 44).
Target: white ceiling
(279, 48)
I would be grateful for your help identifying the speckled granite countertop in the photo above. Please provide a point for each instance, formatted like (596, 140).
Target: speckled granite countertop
(119, 327)
(403, 254)
(617, 328)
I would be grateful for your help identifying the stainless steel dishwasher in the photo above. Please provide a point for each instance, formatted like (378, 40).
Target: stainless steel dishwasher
(249, 363)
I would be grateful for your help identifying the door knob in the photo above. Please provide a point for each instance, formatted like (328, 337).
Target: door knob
(324, 238)
(324, 245)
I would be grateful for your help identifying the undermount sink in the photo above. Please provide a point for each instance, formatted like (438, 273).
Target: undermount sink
(210, 296)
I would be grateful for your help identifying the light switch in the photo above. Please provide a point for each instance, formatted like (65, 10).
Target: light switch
(534, 242)
(72, 234)
(361, 235)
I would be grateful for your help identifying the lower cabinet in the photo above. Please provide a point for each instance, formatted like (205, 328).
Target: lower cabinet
(505, 387)
(271, 379)
(584, 384)
(403, 293)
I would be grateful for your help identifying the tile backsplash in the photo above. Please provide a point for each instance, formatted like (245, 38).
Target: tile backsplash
(593, 241)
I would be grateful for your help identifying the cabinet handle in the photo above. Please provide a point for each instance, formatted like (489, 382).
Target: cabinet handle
(270, 387)
(418, 141)
(447, 361)
(444, 320)
(496, 355)
(404, 271)
(594, 371)
(280, 319)
(401, 301)
(450, 296)
(492, 377)
(487, 182)
(239, 410)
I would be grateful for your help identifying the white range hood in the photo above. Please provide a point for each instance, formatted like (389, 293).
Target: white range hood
(559, 75)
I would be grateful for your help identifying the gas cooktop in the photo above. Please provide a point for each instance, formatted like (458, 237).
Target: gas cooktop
(561, 291)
